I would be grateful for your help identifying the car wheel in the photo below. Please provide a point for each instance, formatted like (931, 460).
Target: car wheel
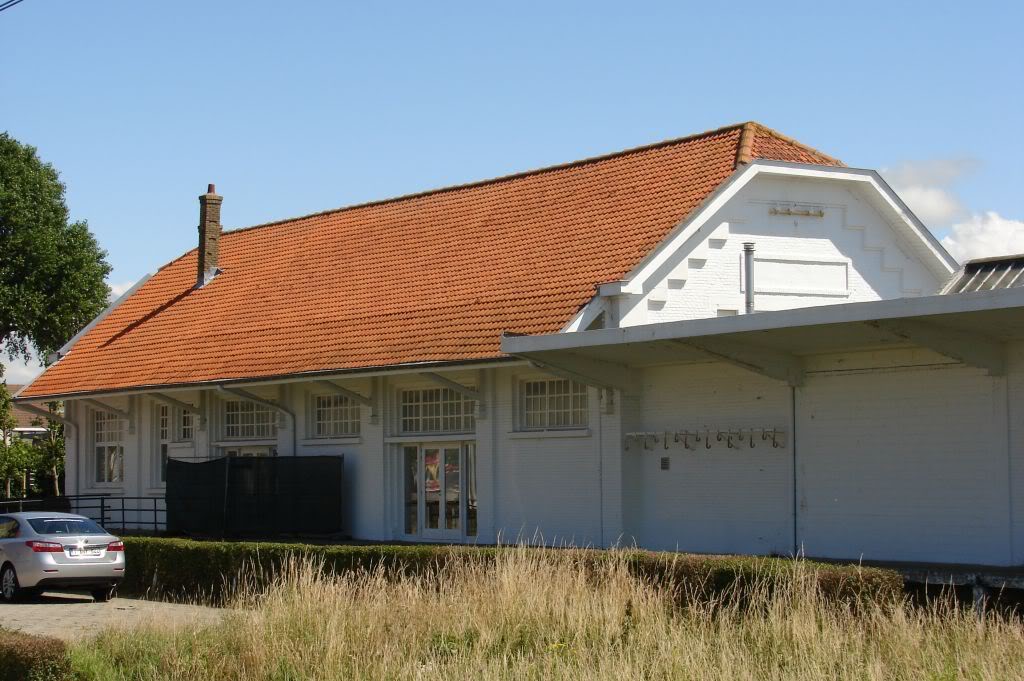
(103, 595)
(9, 588)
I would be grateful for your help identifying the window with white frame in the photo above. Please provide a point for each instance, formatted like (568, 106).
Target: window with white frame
(245, 420)
(108, 447)
(163, 438)
(334, 416)
(186, 429)
(552, 403)
(436, 410)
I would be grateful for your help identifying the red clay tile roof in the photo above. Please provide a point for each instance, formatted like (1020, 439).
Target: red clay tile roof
(432, 277)
(23, 418)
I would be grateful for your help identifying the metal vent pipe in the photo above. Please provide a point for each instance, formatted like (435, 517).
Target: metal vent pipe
(748, 274)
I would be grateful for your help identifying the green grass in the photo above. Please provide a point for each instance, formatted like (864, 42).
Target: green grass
(527, 614)
(205, 570)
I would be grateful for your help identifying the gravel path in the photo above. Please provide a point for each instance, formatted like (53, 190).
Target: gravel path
(71, 616)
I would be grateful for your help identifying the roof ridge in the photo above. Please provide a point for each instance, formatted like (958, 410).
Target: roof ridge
(504, 178)
(786, 138)
(745, 147)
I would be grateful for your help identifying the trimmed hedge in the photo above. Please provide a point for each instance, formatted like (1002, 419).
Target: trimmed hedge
(202, 570)
(24, 657)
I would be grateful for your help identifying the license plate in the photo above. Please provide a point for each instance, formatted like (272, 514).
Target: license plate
(79, 553)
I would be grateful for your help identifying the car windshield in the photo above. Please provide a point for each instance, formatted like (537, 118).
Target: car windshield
(65, 526)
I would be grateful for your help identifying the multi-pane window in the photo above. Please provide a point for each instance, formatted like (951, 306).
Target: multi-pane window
(107, 445)
(335, 416)
(436, 410)
(553, 403)
(163, 435)
(245, 420)
(185, 428)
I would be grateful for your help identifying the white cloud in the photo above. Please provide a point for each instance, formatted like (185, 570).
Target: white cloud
(934, 206)
(985, 235)
(941, 172)
(118, 290)
(926, 186)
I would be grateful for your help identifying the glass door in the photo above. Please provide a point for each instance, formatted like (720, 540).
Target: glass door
(436, 478)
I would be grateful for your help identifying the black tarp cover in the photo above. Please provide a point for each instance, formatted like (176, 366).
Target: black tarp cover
(256, 496)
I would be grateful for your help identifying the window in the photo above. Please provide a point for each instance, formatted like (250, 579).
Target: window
(552, 403)
(335, 416)
(436, 410)
(49, 526)
(163, 437)
(107, 436)
(248, 451)
(185, 428)
(245, 420)
(8, 528)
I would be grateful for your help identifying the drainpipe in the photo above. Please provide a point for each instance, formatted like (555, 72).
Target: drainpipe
(748, 274)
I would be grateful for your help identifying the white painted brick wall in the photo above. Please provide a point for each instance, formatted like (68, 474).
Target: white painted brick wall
(894, 463)
(719, 500)
(904, 464)
(545, 486)
(850, 229)
(1015, 414)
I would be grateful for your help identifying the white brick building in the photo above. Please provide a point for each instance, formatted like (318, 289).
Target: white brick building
(644, 394)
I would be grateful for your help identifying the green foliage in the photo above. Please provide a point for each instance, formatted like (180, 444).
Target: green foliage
(208, 570)
(44, 457)
(7, 420)
(24, 657)
(52, 271)
(17, 457)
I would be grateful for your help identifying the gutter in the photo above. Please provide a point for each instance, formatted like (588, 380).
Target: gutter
(818, 315)
(276, 379)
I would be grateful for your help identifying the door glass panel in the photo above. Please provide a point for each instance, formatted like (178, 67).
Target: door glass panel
(470, 477)
(432, 488)
(451, 488)
(410, 472)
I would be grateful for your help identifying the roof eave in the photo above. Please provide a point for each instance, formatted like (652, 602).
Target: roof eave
(328, 374)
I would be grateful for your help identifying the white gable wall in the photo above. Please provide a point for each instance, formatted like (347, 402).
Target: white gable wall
(851, 253)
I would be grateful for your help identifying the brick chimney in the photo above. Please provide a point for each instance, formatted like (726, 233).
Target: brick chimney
(209, 235)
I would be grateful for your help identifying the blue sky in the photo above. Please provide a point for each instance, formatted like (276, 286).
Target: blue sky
(298, 107)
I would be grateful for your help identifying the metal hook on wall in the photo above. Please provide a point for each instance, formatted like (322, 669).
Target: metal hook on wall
(707, 439)
(750, 438)
(664, 438)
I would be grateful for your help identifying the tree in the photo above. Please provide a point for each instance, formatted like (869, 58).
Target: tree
(20, 461)
(51, 449)
(52, 271)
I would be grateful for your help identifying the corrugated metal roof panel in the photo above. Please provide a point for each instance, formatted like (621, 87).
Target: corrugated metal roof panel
(988, 274)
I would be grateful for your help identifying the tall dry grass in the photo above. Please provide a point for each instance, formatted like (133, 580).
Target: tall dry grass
(544, 615)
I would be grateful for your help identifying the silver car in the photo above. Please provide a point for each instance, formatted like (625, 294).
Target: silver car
(50, 551)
